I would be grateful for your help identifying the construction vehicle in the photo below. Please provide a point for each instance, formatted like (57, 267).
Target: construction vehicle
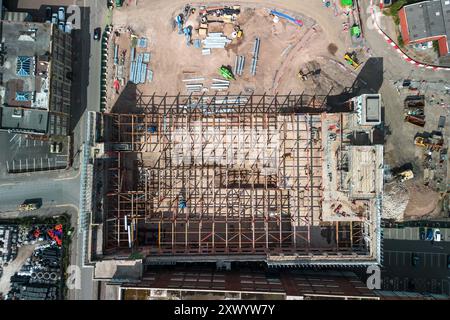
(405, 175)
(352, 60)
(28, 207)
(414, 101)
(304, 75)
(179, 22)
(188, 34)
(433, 143)
(226, 73)
(239, 32)
(418, 121)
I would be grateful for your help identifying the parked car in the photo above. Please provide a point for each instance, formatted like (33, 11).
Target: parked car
(62, 14)
(422, 234)
(55, 18)
(415, 259)
(429, 235)
(48, 15)
(68, 28)
(61, 26)
(437, 235)
(97, 33)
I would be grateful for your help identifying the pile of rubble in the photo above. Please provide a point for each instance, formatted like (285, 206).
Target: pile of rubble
(396, 198)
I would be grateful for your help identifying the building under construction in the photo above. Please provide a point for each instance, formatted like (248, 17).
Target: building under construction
(249, 178)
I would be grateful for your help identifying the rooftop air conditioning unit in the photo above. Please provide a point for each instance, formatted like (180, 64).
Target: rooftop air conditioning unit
(18, 113)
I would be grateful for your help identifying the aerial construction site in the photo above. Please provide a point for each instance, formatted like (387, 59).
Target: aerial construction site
(256, 177)
(213, 175)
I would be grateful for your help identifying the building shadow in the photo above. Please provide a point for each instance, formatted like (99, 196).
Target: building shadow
(81, 45)
(127, 100)
(368, 80)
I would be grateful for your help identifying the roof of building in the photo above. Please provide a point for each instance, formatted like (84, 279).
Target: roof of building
(24, 120)
(428, 19)
(25, 74)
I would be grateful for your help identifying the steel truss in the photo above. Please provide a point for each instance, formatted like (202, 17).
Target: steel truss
(248, 167)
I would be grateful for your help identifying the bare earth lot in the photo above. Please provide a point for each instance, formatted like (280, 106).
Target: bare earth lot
(285, 48)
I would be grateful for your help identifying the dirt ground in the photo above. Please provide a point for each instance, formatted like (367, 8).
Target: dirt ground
(423, 202)
(285, 48)
(22, 255)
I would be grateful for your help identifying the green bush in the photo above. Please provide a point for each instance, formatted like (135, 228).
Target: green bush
(436, 46)
(400, 41)
(395, 7)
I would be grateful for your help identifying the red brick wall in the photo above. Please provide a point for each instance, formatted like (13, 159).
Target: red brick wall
(403, 26)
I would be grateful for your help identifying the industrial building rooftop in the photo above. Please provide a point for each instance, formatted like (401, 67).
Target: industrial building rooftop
(426, 21)
(25, 70)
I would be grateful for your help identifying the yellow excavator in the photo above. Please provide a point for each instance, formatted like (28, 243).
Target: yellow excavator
(352, 60)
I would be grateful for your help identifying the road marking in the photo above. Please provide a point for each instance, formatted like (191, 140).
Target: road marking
(66, 205)
(14, 136)
(7, 166)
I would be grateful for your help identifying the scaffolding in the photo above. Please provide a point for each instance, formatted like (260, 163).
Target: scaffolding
(213, 175)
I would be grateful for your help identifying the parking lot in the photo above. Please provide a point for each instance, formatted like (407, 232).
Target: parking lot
(412, 233)
(22, 154)
(426, 259)
(439, 286)
(429, 274)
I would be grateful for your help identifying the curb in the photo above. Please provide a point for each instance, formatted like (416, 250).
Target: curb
(397, 48)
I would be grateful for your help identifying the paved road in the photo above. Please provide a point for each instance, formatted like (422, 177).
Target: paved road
(394, 66)
(52, 191)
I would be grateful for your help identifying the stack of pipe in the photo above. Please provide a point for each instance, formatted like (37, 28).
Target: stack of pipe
(138, 70)
(215, 40)
(116, 54)
(220, 84)
(239, 65)
(193, 87)
(255, 56)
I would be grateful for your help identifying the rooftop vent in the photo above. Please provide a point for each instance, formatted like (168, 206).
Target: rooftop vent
(17, 113)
